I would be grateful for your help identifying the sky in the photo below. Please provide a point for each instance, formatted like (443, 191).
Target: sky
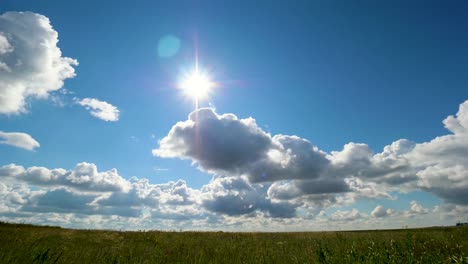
(319, 115)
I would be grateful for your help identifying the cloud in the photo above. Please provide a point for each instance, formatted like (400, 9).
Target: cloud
(447, 182)
(256, 178)
(236, 196)
(298, 171)
(225, 145)
(158, 169)
(347, 216)
(379, 212)
(358, 160)
(206, 135)
(458, 124)
(451, 211)
(84, 196)
(59, 200)
(11, 197)
(100, 109)
(85, 190)
(294, 169)
(17, 139)
(366, 189)
(417, 209)
(31, 64)
(83, 177)
(443, 162)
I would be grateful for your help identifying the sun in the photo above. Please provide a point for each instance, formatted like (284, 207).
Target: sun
(197, 85)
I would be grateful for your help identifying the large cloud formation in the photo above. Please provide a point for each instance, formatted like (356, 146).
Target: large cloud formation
(226, 145)
(285, 180)
(31, 64)
(300, 173)
(85, 190)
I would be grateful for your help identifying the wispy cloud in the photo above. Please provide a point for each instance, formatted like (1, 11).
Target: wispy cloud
(160, 169)
(100, 109)
(20, 140)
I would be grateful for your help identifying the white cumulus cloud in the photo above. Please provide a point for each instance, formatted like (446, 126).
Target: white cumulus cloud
(346, 216)
(85, 190)
(379, 211)
(31, 63)
(100, 109)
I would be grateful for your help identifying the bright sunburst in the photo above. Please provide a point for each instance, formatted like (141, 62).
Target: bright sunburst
(197, 85)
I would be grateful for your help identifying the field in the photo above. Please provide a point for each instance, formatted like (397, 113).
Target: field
(34, 244)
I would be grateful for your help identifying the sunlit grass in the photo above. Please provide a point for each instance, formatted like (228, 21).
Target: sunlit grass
(32, 244)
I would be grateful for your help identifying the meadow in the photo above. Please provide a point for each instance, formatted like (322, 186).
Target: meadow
(20, 243)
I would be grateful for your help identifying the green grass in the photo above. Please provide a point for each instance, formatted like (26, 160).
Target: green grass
(33, 244)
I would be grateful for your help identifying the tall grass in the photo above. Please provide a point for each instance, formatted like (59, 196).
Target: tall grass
(33, 244)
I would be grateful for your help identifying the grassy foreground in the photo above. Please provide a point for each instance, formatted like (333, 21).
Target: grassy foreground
(33, 244)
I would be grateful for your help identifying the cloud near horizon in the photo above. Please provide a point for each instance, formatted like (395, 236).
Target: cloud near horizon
(31, 64)
(83, 196)
(85, 190)
(283, 178)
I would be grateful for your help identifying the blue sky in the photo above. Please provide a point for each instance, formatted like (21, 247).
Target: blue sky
(329, 72)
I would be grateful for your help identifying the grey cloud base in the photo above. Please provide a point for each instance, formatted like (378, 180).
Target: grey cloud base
(298, 172)
(84, 191)
(285, 180)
